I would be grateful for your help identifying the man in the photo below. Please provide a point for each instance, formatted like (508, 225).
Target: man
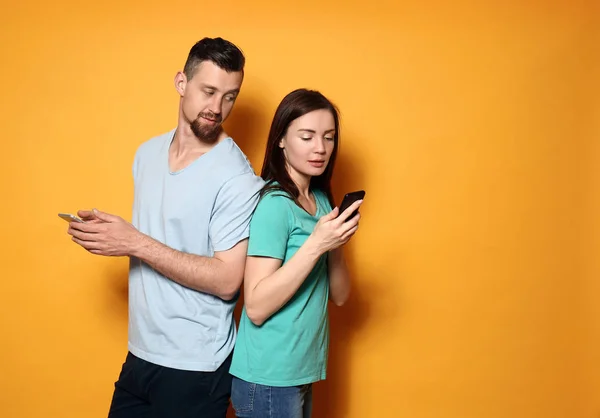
(195, 192)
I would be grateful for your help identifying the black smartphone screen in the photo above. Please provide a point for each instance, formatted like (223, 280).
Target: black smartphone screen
(349, 199)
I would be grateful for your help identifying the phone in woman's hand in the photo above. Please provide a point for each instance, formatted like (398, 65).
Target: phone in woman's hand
(348, 200)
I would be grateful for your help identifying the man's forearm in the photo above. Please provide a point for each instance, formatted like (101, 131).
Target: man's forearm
(206, 274)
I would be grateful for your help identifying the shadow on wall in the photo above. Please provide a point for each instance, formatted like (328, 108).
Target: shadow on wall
(116, 281)
(249, 128)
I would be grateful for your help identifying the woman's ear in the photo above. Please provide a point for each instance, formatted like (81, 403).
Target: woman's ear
(281, 143)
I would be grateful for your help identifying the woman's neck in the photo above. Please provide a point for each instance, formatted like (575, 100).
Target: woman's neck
(302, 182)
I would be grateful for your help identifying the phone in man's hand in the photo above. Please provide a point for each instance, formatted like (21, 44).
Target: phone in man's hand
(70, 218)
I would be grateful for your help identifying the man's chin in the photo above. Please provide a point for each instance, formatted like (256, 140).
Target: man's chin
(208, 136)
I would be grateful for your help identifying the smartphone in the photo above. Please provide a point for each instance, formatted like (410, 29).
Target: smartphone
(348, 200)
(70, 218)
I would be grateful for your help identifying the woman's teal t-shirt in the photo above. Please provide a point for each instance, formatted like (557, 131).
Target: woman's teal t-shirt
(290, 348)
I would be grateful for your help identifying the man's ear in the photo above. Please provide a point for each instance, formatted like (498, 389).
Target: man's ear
(180, 82)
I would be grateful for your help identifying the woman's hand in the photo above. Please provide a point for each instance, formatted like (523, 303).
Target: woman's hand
(333, 231)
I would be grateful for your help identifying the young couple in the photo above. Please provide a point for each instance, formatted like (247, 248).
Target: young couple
(204, 223)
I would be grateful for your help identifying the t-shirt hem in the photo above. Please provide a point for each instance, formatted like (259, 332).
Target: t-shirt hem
(194, 366)
(228, 244)
(278, 383)
(264, 253)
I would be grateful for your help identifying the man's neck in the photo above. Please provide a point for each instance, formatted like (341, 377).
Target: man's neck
(186, 142)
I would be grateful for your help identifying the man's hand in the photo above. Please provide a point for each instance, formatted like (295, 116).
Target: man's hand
(88, 216)
(105, 234)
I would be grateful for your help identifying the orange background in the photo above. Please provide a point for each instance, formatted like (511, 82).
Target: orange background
(473, 128)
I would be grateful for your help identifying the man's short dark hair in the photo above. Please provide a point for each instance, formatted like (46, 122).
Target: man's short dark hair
(221, 52)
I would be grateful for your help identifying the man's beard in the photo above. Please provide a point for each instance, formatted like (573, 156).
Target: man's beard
(206, 133)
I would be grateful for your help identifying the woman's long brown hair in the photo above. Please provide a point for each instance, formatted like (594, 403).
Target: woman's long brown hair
(295, 104)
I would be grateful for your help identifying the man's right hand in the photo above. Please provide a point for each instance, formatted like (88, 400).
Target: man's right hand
(89, 216)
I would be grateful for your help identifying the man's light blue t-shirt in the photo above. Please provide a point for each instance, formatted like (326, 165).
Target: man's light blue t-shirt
(290, 348)
(203, 208)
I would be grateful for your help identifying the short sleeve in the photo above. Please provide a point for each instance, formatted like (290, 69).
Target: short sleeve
(134, 166)
(270, 227)
(234, 205)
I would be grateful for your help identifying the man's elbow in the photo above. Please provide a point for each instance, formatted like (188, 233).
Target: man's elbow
(229, 276)
(230, 289)
(228, 296)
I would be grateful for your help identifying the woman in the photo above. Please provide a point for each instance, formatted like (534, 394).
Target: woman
(294, 265)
